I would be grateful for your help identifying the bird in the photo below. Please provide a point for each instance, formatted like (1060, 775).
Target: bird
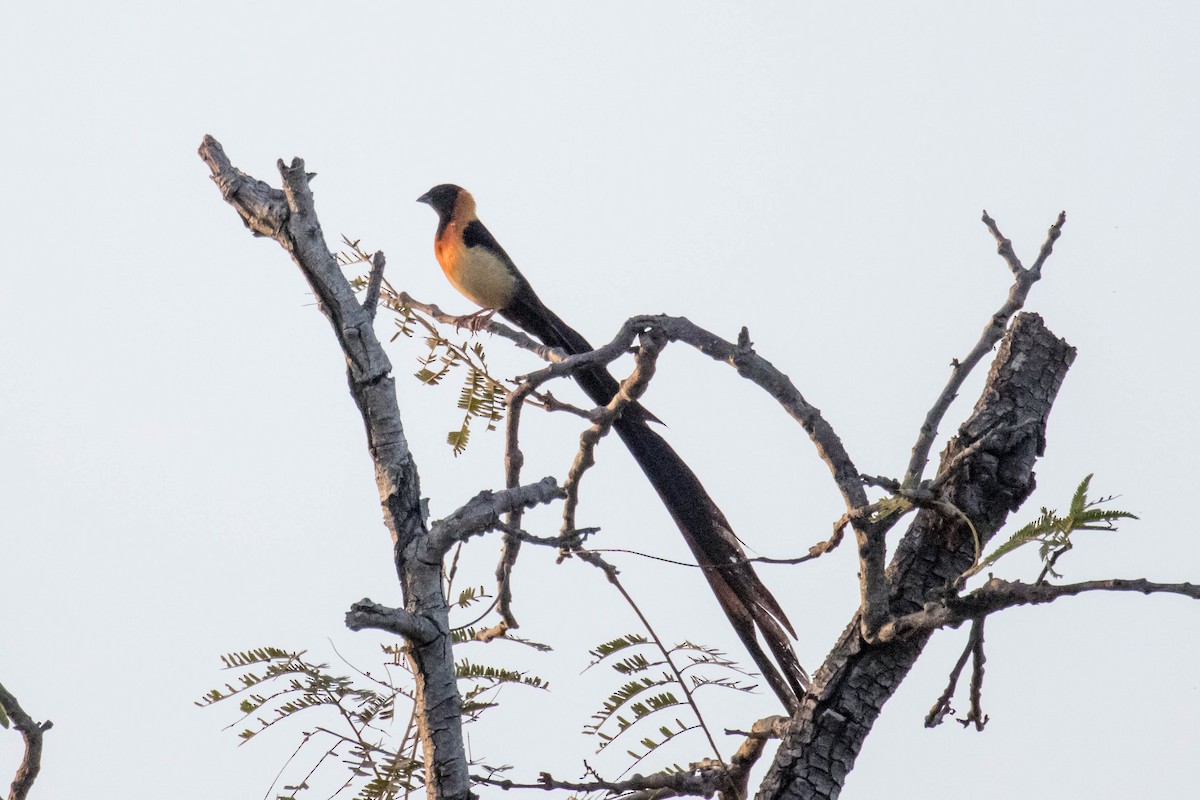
(479, 268)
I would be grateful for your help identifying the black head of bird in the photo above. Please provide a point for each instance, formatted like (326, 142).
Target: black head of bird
(442, 199)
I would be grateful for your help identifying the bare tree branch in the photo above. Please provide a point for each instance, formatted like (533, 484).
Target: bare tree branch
(289, 217)
(368, 614)
(374, 281)
(701, 780)
(992, 333)
(630, 390)
(741, 762)
(31, 732)
(942, 707)
(870, 536)
(998, 595)
(975, 713)
(514, 460)
(481, 514)
(398, 300)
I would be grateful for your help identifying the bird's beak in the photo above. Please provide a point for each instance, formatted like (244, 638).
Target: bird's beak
(426, 198)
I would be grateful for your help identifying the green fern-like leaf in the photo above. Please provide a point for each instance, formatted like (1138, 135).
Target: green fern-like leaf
(724, 683)
(623, 698)
(392, 775)
(481, 397)
(471, 595)
(497, 675)
(606, 649)
(653, 689)
(699, 657)
(653, 704)
(458, 439)
(260, 655)
(463, 635)
(635, 664)
(298, 686)
(1053, 532)
(653, 745)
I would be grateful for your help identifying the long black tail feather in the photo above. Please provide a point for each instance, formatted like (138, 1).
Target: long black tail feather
(746, 601)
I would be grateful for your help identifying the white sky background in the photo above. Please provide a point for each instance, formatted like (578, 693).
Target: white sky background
(184, 472)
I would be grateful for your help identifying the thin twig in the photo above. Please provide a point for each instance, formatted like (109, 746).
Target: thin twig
(514, 460)
(700, 781)
(374, 281)
(975, 712)
(1048, 569)
(992, 333)
(397, 300)
(941, 708)
(610, 573)
(713, 567)
(998, 595)
(629, 391)
(741, 762)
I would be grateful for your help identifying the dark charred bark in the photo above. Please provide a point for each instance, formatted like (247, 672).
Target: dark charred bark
(857, 678)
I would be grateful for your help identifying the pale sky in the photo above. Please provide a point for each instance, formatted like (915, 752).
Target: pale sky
(185, 473)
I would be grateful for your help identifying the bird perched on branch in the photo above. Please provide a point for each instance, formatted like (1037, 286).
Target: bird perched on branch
(478, 267)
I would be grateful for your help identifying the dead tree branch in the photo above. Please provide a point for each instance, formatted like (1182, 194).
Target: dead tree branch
(481, 514)
(630, 390)
(397, 301)
(998, 595)
(941, 708)
(741, 762)
(368, 614)
(702, 780)
(992, 333)
(289, 217)
(975, 713)
(31, 732)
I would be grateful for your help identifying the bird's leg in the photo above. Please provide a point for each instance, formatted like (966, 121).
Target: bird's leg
(475, 321)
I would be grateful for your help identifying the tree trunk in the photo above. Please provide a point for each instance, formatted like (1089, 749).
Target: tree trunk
(851, 687)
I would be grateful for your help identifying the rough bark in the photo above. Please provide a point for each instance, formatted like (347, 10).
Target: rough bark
(31, 731)
(857, 678)
(289, 217)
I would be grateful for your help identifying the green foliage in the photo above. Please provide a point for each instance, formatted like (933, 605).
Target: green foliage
(481, 397)
(471, 595)
(470, 633)
(1053, 532)
(655, 688)
(486, 679)
(297, 685)
(350, 715)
